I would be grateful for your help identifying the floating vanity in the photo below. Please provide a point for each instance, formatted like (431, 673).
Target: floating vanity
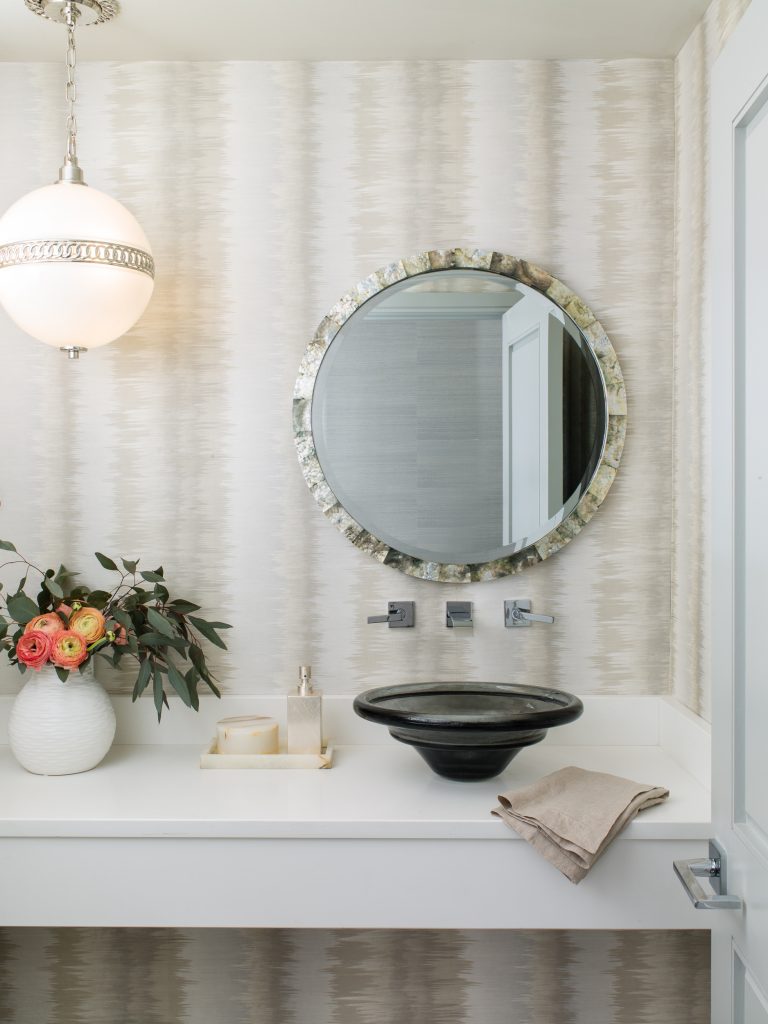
(379, 841)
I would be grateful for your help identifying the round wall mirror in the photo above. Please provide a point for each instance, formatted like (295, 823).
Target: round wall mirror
(460, 415)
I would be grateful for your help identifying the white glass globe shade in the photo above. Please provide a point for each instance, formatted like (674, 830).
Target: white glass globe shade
(64, 303)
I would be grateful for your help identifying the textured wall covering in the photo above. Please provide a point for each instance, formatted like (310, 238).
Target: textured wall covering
(150, 976)
(268, 190)
(690, 602)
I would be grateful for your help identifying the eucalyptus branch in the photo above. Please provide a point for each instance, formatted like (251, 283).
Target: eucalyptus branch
(23, 561)
(137, 618)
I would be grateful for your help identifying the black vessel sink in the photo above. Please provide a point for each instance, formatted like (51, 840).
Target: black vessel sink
(468, 731)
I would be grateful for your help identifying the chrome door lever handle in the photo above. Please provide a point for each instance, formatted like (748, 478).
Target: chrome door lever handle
(713, 867)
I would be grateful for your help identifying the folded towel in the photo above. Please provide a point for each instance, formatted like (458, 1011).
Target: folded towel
(572, 815)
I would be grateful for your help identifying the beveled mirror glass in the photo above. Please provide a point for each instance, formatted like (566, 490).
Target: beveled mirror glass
(460, 415)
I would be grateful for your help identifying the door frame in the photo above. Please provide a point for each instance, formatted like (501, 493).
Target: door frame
(739, 86)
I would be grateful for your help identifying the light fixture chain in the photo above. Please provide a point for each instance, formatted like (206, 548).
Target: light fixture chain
(71, 88)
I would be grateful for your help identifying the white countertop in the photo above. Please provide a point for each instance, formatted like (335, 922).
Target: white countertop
(372, 792)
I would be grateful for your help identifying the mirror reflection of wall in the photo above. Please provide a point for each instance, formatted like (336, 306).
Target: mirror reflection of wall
(459, 416)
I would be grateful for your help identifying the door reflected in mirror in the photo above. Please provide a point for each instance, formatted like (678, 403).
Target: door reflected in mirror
(459, 416)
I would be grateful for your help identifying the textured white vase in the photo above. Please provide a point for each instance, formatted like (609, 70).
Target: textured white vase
(60, 728)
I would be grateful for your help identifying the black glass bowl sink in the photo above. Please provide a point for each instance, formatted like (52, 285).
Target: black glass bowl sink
(468, 731)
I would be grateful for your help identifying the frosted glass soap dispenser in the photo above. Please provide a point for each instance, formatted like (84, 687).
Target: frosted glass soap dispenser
(305, 716)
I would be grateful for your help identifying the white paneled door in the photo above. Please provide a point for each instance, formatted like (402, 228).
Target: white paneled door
(739, 303)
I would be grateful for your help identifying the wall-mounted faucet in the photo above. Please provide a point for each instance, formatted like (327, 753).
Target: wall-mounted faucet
(458, 613)
(518, 613)
(400, 614)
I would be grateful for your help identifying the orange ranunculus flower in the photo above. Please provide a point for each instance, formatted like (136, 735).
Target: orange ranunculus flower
(34, 649)
(89, 623)
(49, 623)
(68, 649)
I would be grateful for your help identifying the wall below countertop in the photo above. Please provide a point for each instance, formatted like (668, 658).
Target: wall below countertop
(345, 977)
(267, 191)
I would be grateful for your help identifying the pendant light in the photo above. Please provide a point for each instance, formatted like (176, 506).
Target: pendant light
(76, 269)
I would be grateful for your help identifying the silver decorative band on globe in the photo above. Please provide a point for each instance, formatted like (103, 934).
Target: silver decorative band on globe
(87, 12)
(111, 254)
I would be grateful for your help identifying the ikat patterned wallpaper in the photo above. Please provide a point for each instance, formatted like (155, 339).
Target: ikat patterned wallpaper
(149, 976)
(690, 578)
(267, 191)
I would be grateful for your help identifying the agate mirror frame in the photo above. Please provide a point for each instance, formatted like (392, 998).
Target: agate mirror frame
(526, 273)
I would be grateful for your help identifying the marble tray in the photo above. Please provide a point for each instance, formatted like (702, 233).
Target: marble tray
(211, 758)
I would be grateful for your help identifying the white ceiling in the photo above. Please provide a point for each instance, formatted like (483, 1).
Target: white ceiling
(360, 30)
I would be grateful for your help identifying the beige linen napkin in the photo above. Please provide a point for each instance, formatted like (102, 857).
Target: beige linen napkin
(572, 815)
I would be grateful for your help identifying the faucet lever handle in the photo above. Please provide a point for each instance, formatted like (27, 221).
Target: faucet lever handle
(530, 617)
(518, 613)
(399, 613)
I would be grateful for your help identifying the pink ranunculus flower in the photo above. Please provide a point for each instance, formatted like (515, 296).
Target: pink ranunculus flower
(34, 649)
(49, 623)
(65, 610)
(89, 623)
(121, 637)
(68, 649)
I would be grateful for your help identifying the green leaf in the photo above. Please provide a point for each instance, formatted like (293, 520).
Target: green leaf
(22, 667)
(145, 670)
(106, 562)
(159, 694)
(152, 577)
(123, 618)
(198, 660)
(52, 586)
(220, 625)
(179, 683)
(161, 624)
(128, 565)
(208, 631)
(184, 607)
(22, 608)
(62, 673)
(213, 687)
(3, 630)
(98, 598)
(65, 577)
(160, 640)
(161, 593)
(192, 677)
(5, 545)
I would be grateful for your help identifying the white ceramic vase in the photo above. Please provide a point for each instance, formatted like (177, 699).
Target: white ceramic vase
(60, 728)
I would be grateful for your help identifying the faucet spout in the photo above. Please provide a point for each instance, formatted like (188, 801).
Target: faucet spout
(458, 614)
